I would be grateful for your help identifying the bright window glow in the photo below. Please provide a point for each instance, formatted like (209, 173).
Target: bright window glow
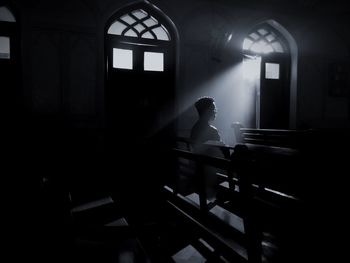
(4, 47)
(147, 35)
(139, 21)
(272, 71)
(116, 28)
(122, 58)
(263, 41)
(278, 47)
(247, 43)
(262, 31)
(251, 68)
(150, 22)
(154, 61)
(139, 13)
(130, 33)
(255, 36)
(161, 33)
(270, 37)
(6, 15)
(261, 47)
(139, 27)
(128, 19)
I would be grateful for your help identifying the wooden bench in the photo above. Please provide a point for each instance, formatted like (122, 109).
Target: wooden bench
(248, 193)
(270, 137)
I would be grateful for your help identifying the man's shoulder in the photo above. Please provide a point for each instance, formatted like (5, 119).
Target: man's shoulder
(213, 128)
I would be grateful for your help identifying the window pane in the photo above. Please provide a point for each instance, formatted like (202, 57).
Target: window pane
(147, 35)
(254, 36)
(270, 37)
(116, 28)
(272, 71)
(277, 47)
(247, 43)
(268, 49)
(139, 27)
(262, 31)
(154, 61)
(6, 15)
(130, 33)
(150, 22)
(161, 33)
(139, 13)
(122, 58)
(128, 19)
(4, 47)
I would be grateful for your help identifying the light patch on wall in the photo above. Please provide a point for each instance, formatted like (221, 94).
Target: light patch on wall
(153, 61)
(272, 71)
(4, 47)
(122, 58)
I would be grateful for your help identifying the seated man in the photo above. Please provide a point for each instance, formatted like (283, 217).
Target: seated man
(204, 136)
(202, 131)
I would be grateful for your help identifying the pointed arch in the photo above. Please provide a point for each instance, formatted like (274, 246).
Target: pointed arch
(264, 39)
(267, 38)
(141, 52)
(293, 50)
(142, 20)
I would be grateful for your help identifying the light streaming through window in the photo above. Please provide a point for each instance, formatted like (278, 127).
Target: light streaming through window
(251, 68)
(263, 41)
(122, 58)
(153, 61)
(272, 71)
(4, 47)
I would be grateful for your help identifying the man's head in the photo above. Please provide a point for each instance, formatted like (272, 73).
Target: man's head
(206, 108)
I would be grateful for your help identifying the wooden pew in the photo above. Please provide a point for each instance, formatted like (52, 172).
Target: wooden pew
(250, 193)
(250, 239)
(270, 137)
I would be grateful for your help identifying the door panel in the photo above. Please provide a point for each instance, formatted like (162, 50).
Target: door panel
(274, 92)
(137, 100)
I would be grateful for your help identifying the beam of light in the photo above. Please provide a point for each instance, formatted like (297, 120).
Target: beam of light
(259, 47)
(235, 98)
(251, 68)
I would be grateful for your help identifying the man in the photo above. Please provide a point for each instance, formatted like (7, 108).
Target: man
(203, 136)
(202, 131)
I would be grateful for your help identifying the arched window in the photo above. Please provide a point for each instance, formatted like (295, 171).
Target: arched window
(264, 40)
(135, 29)
(138, 23)
(269, 63)
(140, 53)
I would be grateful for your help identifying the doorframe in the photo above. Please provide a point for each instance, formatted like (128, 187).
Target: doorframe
(175, 40)
(293, 69)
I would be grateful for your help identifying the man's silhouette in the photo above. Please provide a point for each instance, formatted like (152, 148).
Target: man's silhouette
(202, 131)
(202, 135)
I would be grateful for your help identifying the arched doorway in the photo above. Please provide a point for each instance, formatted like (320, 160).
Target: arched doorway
(140, 56)
(272, 52)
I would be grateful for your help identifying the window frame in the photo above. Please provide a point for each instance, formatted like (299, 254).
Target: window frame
(278, 38)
